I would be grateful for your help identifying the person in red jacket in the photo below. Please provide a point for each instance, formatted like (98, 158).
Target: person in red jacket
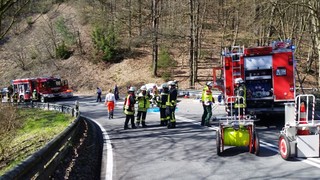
(128, 108)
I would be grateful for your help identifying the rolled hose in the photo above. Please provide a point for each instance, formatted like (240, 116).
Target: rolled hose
(234, 137)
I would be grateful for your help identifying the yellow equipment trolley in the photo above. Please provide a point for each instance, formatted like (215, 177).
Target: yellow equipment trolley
(237, 130)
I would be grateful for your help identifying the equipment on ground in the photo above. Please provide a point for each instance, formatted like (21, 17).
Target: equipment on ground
(300, 134)
(237, 130)
(267, 72)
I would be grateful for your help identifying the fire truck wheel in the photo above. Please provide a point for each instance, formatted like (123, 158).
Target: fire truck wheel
(21, 99)
(284, 147)
(43, 99)
(218, 142)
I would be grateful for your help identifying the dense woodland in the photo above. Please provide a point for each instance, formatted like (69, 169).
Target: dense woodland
(198, 29)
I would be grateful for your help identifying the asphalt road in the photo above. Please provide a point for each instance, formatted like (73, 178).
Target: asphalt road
(189, 151)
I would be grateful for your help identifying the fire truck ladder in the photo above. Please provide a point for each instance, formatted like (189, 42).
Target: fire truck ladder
(236, 52)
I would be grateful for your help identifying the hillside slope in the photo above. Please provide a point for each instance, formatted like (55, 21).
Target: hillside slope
(25, 54)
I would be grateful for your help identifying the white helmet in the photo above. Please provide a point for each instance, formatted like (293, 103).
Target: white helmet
(238, 81)
(131, 89)
(165, 85)
(171, 83)
(143, 88)
(209, 83)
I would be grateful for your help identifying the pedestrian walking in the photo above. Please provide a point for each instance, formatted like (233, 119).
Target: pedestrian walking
(128, 108)
(99, 92)
(207, 102)
(110, 102)
(143, 99)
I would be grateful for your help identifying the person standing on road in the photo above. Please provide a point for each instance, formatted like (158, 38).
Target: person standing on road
(128, 108)
(143, 99)
(241, 93)
(116, 92)
(207, 102)
(171, 103)
(99, 92)
(110, 102)
(162, 104)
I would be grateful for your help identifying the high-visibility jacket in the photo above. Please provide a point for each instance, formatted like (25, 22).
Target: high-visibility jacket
(143, 102)
(129, 105)
(207, 98)
(241, 91)
(163, 100)
(172, 98)
(205, 88)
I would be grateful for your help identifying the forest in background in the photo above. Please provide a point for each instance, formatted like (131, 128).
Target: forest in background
(178, 34)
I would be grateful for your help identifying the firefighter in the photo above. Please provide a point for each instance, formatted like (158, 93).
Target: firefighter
(240, 91)
(128, 108)
(143, 100)
(162, 104)
(171, 103)
(110, 102)
(34, 95)
(207, 102)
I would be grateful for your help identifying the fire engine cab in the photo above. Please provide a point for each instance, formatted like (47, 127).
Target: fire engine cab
(268, 73)
(45, 87)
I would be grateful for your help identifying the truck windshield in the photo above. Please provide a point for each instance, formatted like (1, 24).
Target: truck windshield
(53, 83)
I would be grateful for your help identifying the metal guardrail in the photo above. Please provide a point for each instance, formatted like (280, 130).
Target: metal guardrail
(41, 164)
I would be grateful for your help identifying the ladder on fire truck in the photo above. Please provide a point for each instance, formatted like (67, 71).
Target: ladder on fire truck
(235, 53)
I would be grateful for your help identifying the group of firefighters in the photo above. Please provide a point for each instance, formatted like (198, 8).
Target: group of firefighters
(166, 101)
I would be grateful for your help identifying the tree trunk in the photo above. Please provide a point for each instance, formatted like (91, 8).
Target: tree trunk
(155, 36)
(140, 17)
(191, 60)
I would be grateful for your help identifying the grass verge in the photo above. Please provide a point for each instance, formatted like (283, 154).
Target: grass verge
(37, 128)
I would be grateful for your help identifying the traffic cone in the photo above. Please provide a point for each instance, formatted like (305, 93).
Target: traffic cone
(303, 120)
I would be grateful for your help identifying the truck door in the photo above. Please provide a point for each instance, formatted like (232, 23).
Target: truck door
(283, 76)
(218, 80)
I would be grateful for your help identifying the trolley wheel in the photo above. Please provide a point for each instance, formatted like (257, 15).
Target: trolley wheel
(218, 142)
(256, 144)
(284, 147)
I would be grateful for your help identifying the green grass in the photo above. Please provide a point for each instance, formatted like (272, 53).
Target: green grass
(38, 128)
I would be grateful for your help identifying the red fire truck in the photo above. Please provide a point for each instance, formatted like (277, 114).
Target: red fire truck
(268, 73)
(46, 88)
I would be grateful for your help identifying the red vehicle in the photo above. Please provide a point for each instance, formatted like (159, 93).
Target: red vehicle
(46, 88)
(268, 73)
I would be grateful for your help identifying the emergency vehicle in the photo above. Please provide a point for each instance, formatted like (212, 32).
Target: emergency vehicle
(268, 73)
(46, 88)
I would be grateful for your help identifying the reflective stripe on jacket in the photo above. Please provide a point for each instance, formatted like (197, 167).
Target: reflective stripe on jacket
(241, 91)
(129, 105)
(143, 102)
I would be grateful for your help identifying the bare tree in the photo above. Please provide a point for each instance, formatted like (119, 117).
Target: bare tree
(155, 26)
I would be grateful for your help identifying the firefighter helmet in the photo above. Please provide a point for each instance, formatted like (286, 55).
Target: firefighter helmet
(209, 83)
(131, 89)
(171, 83)
(238, 81)
(165, 85)
(143, 88)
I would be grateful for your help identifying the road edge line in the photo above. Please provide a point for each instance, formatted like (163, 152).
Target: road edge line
(107, 153)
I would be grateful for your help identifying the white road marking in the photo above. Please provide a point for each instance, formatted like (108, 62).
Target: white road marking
(107, 148)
